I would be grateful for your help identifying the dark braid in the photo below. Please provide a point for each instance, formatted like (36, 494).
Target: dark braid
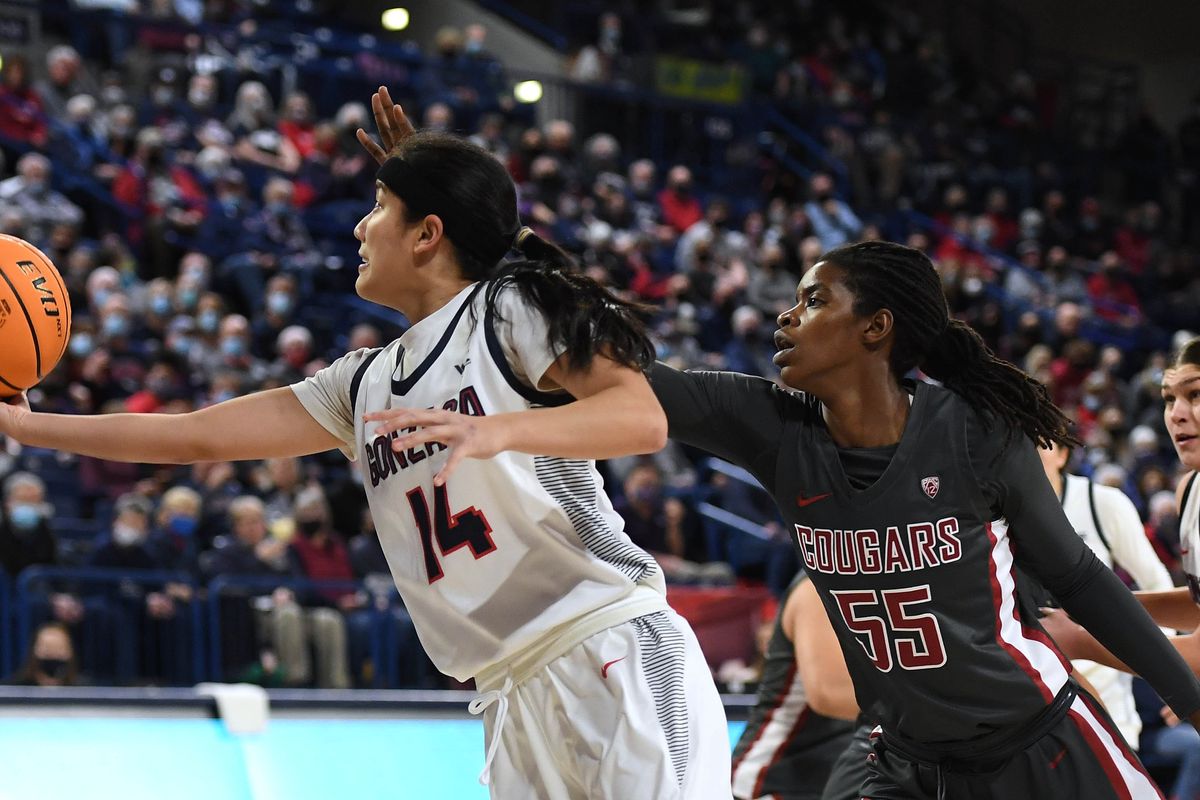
(903, 280)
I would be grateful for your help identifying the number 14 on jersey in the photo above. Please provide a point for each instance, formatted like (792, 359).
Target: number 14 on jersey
(452, 532)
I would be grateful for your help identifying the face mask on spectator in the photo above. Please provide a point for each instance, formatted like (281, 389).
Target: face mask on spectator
(82, 345)
(35, 188)
(181, 345)
(233, 346)
(222, 396)
(159, 387)
(55, 668)
(308, 527)
(126, 535)
(100, 297)
(647, 494)
(182, 525)
(162, 96)
(200, 98)
(116, 326)
(208, 321)
(188, 298)
(279, 303)
(278, 209)
(25, 516)
(160, 305)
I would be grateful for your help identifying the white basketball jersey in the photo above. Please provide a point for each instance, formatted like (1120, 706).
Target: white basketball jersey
(1189, 537)
(1086, 504)
(512, 547)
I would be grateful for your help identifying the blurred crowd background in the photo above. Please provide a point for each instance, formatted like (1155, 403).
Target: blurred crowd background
(192, 169)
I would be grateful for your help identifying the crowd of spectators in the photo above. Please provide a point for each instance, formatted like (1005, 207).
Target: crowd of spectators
(200, 210)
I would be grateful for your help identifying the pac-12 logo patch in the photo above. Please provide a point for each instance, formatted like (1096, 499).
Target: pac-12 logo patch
(931, 485)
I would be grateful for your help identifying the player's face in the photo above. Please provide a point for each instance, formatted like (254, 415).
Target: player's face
(1181, 411)
(821, 332)
(386, 261)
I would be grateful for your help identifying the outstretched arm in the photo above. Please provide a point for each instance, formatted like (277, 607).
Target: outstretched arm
(614, 414)
(267, 424)
(1048, 547)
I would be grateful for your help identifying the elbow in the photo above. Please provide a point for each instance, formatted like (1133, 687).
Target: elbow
(656, 430)
(829, 702)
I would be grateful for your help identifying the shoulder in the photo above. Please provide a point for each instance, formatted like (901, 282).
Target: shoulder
(1110, 496)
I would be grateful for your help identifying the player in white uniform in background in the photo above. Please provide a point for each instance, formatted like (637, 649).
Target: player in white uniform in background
(1178, 609)
(475, 432)
(1109, 523)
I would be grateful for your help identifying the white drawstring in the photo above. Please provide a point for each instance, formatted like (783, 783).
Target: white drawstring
(478, 706)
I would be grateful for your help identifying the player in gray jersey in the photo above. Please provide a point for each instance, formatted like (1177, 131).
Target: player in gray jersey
(912, 505)
(474, 433)
(802, 721)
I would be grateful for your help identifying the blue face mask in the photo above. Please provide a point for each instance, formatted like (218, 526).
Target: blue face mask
(181, 525)
(278, 209)
(188, 298)
(116, 326)
(82, 345)
(279, 303)
(25, 516)
(181, 345)
(160, 305)
(233, 346)
(100, 298)
(208, 321)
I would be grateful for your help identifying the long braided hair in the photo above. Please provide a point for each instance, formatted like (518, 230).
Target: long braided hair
(904, 281)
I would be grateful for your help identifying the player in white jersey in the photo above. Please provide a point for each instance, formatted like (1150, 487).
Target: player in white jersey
(474, 433)
(1109, 523)
(1178, 609)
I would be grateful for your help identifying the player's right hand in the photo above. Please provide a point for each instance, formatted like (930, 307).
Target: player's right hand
(11, 411)
(391, 122)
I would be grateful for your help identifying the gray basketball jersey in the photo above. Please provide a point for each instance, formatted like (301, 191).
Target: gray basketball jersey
(511, 548)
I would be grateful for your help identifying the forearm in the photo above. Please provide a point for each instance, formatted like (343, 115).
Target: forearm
(1110, 613)
(613, 422)
(145, 438)
(1172, 608)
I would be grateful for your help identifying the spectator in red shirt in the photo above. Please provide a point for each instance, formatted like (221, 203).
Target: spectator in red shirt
(22, 116)
(296, 123)
(1112, 293)
(168, 201)
(680, 208)
(317, 553)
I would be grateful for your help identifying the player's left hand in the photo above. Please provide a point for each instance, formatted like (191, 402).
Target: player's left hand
(467, 436)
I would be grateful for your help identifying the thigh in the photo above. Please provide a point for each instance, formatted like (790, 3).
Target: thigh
(1081, 758)
(635, 713)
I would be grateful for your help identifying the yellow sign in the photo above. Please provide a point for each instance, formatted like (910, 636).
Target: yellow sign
(699, 80)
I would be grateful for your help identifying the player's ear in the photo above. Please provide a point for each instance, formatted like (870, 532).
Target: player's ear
(878, 328)
(429, 234)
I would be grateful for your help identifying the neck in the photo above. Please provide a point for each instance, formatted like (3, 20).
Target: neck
(869, 410)
(425, 300)
(1057, 480)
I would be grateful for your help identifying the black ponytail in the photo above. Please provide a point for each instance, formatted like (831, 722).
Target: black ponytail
(903, 280)
(585, 319)
(964, 364)
(475, 198)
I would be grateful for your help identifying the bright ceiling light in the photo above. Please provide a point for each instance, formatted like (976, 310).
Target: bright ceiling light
(394, 19)
(528, 91)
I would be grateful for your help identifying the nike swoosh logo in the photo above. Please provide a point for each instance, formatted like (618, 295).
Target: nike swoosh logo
(604, 669)
(803, 501)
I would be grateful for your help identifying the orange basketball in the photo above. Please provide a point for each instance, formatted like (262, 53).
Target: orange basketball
(35, 315)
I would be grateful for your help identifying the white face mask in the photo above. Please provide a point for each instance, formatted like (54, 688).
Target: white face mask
(126, 535)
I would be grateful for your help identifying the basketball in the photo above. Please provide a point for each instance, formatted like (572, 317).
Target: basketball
(35, 315)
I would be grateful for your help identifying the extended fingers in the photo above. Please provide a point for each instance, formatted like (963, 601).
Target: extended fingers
(373, 150)
(395, 419)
